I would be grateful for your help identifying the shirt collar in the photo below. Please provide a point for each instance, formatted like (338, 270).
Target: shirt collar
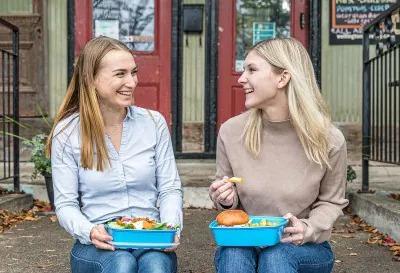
(129, 113)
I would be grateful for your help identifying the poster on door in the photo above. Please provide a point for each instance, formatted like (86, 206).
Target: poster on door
(347, 18)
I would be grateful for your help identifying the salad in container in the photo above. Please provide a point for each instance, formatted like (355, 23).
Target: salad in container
(141, 233)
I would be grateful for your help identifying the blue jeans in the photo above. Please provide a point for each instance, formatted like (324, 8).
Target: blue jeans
(89, 259)
(281, 258)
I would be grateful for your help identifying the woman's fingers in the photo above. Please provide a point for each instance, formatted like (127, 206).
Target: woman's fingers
(294, 229)
(230, 196)
(294, 232)
(225, 194)
(103, 232)
(214, 187)
(215, 195)
(288, 216)
(102, 245)
(226, 198)
(100, 238)
(293, 238)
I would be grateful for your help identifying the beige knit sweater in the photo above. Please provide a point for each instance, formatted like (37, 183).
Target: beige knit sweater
(282, 179)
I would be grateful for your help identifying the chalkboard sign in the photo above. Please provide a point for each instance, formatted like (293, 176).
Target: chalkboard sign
(347, 18)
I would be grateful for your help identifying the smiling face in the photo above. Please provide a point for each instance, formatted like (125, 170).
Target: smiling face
(262, 85)
(116, 79)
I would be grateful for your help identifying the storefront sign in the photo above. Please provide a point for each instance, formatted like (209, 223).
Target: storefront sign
(263, 31)
(347, 18)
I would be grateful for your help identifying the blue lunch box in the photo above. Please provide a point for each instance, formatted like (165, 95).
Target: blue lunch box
(141, 238)
(250, 236)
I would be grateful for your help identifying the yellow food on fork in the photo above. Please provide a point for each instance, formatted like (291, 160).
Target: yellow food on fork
(235, 180)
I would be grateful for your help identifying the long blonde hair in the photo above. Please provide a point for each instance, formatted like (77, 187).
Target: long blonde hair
(307, 109)
(81, 97)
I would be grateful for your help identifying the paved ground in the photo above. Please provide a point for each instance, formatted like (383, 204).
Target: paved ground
(42, 246)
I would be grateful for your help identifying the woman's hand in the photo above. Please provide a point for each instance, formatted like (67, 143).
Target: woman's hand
(100, 238)
(294, 232)
(222, 191)
(176, 242)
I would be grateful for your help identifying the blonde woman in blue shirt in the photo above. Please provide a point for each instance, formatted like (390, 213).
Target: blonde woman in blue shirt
(111, 159)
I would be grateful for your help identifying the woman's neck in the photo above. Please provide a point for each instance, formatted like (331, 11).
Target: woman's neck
(277, 108)
(111, 116)
(277, 111)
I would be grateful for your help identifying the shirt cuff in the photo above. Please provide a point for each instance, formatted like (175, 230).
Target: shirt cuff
(84, 237)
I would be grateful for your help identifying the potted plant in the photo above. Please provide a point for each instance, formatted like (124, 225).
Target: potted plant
(42, 164)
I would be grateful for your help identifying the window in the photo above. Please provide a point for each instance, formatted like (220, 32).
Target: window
(130, 21)
(258, 20)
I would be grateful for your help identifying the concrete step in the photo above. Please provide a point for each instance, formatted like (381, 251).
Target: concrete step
(196, 173)
(378, 210)
(16, 202)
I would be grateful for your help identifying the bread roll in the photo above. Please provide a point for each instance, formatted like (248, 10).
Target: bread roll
(232, 218)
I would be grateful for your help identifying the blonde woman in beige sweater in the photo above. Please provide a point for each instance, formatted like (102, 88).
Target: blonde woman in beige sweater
(291, 158)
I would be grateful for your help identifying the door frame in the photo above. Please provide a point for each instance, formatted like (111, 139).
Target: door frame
(210, 80)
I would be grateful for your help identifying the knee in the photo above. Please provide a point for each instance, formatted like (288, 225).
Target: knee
(228, 253)
(235, 259)
(122, 262)
(276, 255)
(158, 262)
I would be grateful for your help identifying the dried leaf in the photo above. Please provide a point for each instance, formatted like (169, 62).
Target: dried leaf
(395, 196)
(30, 218)
(396, 258)
(388, 241)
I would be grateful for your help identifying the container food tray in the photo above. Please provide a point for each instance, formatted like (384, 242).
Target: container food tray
(249, 236)
(141, 239)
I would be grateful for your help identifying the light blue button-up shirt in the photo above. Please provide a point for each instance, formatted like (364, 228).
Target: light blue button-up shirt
(142, 180)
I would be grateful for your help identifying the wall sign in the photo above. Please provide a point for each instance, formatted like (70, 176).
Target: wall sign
(347, 18)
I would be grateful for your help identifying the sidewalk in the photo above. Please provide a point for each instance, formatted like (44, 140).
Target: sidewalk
(43, 246)
(377, 209)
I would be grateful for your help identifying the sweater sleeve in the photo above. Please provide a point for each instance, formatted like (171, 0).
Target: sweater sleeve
(223, 169)
(331, 199)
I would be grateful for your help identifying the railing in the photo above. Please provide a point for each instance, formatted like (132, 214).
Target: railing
(381, 92)
(9, 108)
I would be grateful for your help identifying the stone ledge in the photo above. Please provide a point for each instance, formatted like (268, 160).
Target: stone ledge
(377, 210)
(16, 202)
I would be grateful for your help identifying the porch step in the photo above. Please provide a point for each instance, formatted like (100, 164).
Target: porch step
(378, 210)
(16, 202)
(196, 172)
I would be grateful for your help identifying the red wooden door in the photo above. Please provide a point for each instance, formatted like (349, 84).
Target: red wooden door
(154, 88)
(230, 94)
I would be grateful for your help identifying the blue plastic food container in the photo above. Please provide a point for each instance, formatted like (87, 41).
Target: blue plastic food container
(249, 236)
(136, 238)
